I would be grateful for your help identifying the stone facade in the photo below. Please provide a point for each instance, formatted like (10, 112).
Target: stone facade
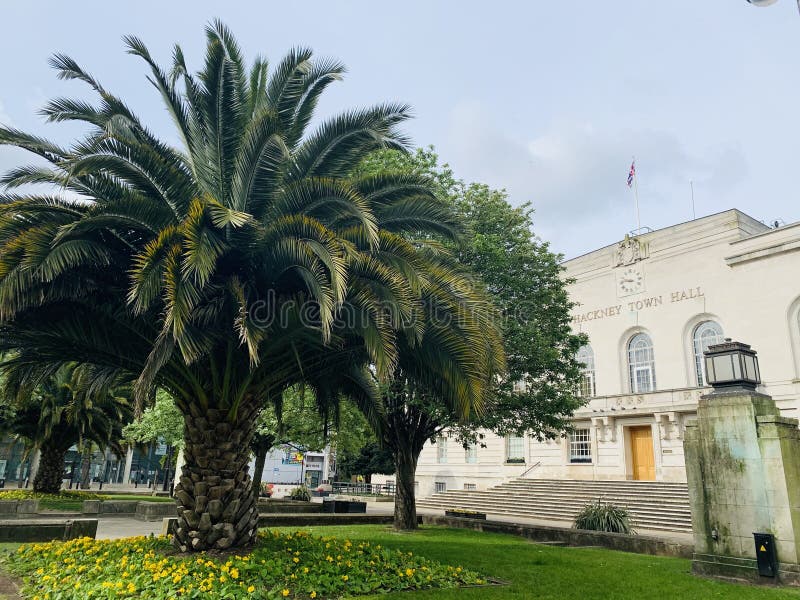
(727, 273)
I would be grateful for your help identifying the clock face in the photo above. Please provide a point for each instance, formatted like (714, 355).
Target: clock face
(630, 281)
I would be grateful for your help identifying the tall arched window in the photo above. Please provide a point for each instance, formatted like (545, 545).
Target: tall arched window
(641, 364)
(705, 334)
(585, 356)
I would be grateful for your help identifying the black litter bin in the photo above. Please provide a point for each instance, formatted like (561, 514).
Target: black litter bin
(2, 483)
(766, 557)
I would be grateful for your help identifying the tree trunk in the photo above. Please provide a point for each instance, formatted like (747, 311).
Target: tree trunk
(50, 474)
(216, 508)
(258, 471)
(86, 462)
(405, 503)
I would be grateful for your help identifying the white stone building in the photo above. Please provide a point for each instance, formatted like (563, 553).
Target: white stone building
(650, 306)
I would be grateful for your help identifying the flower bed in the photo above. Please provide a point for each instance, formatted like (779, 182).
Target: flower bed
(295, 565)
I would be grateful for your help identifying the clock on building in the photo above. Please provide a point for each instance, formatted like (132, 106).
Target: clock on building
(630, 281)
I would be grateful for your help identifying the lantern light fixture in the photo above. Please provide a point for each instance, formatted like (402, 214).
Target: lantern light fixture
(732, 364)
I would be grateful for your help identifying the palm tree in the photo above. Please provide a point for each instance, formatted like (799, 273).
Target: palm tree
(245, 260)
(66, 410)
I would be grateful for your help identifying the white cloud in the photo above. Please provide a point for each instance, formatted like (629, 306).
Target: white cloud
(575, 174)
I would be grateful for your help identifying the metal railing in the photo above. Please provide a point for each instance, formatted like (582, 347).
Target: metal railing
(529, 469)
(363, 489)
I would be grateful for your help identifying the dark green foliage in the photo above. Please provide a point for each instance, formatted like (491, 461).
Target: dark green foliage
(372, 458)
(604, 516)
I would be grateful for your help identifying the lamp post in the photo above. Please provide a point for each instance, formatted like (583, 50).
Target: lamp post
(732, 365)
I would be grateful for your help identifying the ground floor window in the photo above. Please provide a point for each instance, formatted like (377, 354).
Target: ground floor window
(515, 449)
(439, 486)
(580, 446)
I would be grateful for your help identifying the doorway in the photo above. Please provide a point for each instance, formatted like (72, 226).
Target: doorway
(642, 459)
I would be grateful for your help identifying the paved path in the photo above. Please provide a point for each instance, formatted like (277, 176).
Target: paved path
(112, 527)
(120, 527)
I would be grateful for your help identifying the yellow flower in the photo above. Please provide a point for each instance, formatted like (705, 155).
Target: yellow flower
(345, 577)
(284, 592)
(313, 594)
(251, 589)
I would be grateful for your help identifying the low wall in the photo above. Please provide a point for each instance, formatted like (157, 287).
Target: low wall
(154, 511)
(18, 507)
(640, 544)
(24, 531)
(288, 506)
(286, 520)
(306, 520)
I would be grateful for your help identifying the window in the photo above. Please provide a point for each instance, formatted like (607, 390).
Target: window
(471, 454)
(471, 486)
(515, 449)
(641, 364)
(439, 486)
(441, 450)
(580, 446)
(705, 334)
(585, 356)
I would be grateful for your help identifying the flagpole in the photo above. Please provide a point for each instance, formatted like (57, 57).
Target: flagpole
(636, 197)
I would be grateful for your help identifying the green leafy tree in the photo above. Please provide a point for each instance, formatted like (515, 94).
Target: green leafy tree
(66, 409)
(226, 270)
(537, 392)
(162, 422)
(371, 458)
(296, 420)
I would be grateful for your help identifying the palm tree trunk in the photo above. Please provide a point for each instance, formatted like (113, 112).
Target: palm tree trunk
(405, 503)
(50, 474)
(216, 508)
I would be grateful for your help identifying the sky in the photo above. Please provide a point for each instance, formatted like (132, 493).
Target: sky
(549, 100)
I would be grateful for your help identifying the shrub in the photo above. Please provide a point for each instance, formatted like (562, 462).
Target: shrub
(604, 516)
(300, 493)
(294, 565)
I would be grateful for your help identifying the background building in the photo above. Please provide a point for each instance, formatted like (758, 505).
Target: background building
(651, 304)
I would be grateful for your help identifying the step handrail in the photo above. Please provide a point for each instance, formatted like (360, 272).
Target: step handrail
(531, 468)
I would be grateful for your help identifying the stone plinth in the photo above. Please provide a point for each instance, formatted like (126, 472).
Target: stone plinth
(743, 471)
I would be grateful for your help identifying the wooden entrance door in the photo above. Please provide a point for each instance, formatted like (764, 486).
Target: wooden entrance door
(642, 460)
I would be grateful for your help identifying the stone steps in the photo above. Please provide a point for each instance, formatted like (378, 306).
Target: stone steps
(652, 505)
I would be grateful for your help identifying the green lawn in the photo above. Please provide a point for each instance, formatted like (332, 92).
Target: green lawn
(543, 572)
(74, 504)
(139, 497)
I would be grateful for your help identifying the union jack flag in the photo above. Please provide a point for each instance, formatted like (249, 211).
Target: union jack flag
(632, 173)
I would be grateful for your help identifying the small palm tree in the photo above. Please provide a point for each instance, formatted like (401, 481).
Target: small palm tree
(244, 261)
(62, 412)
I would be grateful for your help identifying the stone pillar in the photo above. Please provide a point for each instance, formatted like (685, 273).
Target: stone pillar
(126, 477)
(743, 471)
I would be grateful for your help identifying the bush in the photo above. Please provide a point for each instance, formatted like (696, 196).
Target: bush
(604, 516)
(294, 565)
(300, 493)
